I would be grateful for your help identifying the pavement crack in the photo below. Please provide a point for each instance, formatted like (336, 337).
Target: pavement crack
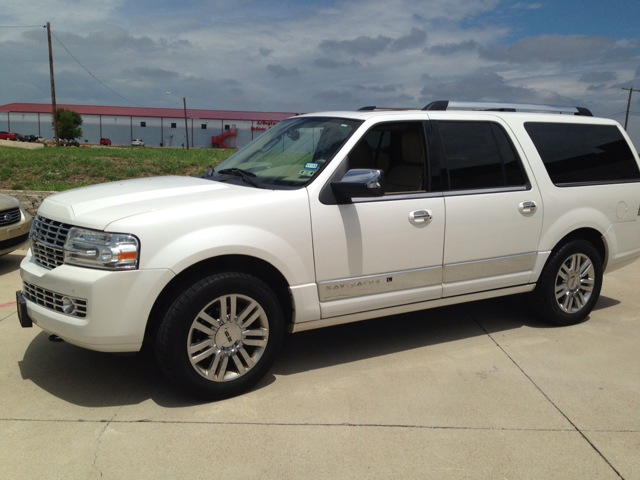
(547, 397)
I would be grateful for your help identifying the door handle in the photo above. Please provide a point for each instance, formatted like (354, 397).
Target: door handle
(420, 217)
(527, 207)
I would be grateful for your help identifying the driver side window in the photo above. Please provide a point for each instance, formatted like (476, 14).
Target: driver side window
(398, 150)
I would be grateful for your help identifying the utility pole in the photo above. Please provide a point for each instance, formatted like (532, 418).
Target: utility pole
(53, 90)
(186, 128)
(626, 119)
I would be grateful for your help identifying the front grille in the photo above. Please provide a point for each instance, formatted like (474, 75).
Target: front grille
(47, 241)
(9, 217)
(75, 307)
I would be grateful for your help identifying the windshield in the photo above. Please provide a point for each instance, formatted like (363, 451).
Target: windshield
(290, 154)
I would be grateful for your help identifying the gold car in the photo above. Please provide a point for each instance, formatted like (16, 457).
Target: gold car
(15, 224)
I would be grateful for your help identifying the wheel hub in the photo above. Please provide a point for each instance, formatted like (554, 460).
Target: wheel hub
(573, 282)
(228, 335)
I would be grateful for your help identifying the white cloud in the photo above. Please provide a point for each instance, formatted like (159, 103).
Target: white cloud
(306, 56)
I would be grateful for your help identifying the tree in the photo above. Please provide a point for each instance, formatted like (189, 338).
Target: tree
(68, 124)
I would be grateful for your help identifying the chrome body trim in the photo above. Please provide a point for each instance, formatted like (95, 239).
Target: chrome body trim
(413, 307)
(489, 267)
(382, 283)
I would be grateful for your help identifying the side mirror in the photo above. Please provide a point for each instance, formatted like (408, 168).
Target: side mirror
(359, 183)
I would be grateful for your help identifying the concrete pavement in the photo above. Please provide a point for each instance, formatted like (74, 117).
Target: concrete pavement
(483, 390)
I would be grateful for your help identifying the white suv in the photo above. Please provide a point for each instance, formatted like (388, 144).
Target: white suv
(337, 217)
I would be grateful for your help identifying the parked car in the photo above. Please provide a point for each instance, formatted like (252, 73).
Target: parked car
(39, 138)
(15, 224)
(136, 142)
(8, 136)
(105, 141)
(330, 218)
(21, 138)
(30, 138)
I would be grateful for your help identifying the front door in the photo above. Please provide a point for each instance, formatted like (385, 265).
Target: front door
(386, 251)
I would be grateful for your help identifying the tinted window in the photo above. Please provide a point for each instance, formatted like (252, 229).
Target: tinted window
(479, 155)
(398, 149)
(583, 153)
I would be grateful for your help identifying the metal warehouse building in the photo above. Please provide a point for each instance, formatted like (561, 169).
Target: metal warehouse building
(155, 126)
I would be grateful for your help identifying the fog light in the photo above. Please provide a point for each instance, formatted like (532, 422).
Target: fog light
(67, 305)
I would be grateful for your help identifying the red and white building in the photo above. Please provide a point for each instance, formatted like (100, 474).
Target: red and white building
(155, 126)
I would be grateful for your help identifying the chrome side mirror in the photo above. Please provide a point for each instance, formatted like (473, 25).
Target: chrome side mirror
(359, 183)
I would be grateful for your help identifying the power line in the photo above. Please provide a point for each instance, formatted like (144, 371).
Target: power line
(21, 26)
(96, 78)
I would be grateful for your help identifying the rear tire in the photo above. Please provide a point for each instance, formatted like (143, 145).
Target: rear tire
(570, 284)
(220, 336)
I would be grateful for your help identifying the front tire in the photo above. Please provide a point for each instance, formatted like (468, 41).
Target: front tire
(220, 336)
(570, 284)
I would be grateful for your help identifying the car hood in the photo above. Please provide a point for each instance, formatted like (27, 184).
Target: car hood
(97, 206)
(7, 202)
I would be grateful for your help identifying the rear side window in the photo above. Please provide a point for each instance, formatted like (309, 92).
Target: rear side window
(578, 154)
(479, 155)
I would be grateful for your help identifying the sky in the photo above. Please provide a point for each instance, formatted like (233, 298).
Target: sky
(306, 56)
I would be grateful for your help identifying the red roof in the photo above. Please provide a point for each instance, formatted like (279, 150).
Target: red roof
(146, 112)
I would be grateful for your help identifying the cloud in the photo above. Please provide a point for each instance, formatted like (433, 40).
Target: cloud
(557, 48)
(415, 39)
(385, 89)
(598, 77)
(452, 48)
(333, 97)
(490, 87)
(265, 52)
(279, 71)
(365, 45)
(156, 73)
(361, 45)
(330, 63)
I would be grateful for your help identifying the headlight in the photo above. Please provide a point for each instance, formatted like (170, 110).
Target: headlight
(108, 251)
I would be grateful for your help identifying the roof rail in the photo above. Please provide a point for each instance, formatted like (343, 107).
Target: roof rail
(371, 108)
(506, 107)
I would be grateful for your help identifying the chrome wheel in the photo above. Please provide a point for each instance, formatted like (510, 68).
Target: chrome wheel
(575, 282)
(228, 337)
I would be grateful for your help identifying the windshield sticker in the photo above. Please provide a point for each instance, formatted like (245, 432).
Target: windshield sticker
(309, 169)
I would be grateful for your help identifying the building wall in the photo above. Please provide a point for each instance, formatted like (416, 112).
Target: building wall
(155, 132)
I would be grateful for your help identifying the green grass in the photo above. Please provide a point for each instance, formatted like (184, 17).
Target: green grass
(58, 169)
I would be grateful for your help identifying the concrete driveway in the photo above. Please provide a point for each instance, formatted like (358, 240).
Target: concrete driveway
(483, 390)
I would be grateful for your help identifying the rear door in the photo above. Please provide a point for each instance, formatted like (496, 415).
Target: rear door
(494, 210)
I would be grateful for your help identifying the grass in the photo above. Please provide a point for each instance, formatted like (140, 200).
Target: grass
(57, 169)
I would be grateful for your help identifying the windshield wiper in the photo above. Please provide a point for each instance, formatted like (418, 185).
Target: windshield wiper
(238, 172)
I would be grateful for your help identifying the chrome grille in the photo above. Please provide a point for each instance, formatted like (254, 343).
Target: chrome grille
(9, 217)
(75, 307)
(47, 241)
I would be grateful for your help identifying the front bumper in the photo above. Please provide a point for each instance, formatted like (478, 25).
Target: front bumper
(117, 304)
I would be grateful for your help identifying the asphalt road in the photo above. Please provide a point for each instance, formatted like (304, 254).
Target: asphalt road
(482, 390)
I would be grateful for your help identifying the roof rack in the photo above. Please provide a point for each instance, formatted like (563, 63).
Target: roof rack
(371, 108)
(441, 105)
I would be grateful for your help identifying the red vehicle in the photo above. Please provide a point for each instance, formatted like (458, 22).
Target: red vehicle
(8, 136)
(105, 141)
